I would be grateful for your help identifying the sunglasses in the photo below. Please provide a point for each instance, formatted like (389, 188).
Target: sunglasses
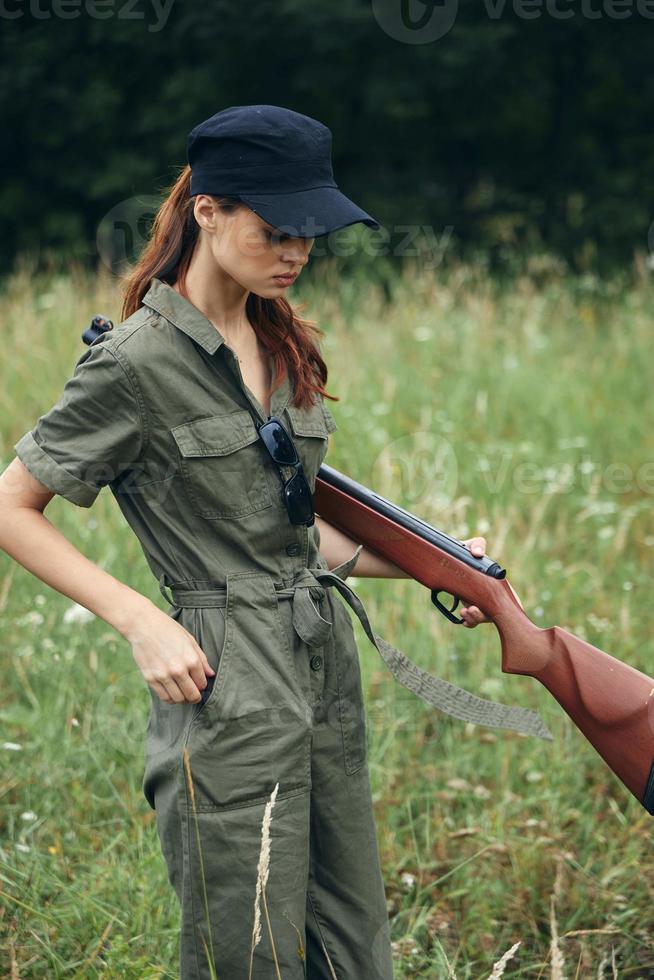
(296, 492)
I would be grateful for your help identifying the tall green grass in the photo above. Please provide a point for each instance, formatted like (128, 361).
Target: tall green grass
(519, 409)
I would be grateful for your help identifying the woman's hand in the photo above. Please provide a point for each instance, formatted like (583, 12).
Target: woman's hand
(168, 656)
(471, 615)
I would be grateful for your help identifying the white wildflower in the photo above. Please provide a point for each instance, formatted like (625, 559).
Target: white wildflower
(576, 442)
(78, 614)
(32, 618)
(458, 784)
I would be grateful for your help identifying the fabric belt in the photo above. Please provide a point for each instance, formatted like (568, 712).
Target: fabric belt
(310, 583)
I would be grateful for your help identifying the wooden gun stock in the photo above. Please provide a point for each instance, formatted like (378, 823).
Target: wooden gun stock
(610, 702)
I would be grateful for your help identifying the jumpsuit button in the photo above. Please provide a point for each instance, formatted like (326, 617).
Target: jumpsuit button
(315, 663)
(293, 548)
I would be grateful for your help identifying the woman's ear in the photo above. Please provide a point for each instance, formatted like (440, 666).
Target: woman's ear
(204, 210)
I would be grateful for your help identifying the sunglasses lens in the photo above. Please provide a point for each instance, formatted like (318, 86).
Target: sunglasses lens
(296, 492)
(278, 443)
(298, 499)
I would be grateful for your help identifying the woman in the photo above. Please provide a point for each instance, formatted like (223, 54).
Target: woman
(252, 695)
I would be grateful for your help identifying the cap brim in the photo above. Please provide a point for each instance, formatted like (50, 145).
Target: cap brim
(310, 213)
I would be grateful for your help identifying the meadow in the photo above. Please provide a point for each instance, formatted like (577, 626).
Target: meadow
(519, 409)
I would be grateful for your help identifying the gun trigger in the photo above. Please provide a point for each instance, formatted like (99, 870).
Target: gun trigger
(448, 613)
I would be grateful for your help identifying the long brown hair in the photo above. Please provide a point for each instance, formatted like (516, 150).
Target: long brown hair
(290, 340)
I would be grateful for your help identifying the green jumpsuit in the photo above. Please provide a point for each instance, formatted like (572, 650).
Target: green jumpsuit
(157, 410)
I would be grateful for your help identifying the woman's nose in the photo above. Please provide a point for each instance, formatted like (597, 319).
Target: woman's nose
(299, 251)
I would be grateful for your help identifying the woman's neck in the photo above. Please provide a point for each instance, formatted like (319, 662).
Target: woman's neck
(220, 299)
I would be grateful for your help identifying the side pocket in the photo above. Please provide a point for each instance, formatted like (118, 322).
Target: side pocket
(350, 690)
(254, 729)
(211, 635)
(168, 723)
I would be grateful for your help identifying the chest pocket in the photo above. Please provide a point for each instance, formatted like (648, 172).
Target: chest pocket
(310, 428)
(222, 463)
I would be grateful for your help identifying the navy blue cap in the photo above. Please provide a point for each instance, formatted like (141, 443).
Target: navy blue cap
(276, 161)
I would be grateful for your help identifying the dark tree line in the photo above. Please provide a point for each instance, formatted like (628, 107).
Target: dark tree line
(514, 131)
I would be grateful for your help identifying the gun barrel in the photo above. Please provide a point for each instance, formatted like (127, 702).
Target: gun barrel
(404, 518)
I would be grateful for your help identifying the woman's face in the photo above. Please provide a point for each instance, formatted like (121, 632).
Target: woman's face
(249, 250)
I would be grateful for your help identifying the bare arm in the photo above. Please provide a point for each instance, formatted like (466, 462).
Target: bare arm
(169, 657)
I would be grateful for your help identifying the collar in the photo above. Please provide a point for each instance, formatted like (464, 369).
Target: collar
(183, 314)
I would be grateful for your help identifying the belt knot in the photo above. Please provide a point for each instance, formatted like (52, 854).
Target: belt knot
(308, 623)
(308, 585)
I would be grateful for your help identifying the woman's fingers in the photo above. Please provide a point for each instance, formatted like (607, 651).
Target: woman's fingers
(472, 616)
(188, 686)
(174, 681)
(160, 691)
(206, 666)
(172, 690)
(188, 677)
(477, 546)
(199, 675)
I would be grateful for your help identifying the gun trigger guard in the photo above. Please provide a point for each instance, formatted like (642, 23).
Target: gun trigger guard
(448, 613)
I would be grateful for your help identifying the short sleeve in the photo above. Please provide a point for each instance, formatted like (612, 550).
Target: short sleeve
(93, 433)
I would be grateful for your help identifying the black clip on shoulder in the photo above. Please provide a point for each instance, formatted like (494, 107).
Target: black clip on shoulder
(99, 326)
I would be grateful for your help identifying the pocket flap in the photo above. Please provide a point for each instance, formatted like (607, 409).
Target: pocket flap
(216, 435)
(308, 421)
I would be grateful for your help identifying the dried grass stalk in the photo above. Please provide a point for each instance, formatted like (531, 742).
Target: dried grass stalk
(500, 966)
(262, 880)
(557, 962)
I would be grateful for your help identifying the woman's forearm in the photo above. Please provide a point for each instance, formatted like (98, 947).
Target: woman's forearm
(36, 544)
(336, 547)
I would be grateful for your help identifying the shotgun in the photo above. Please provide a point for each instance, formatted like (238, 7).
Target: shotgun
(609, 701)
